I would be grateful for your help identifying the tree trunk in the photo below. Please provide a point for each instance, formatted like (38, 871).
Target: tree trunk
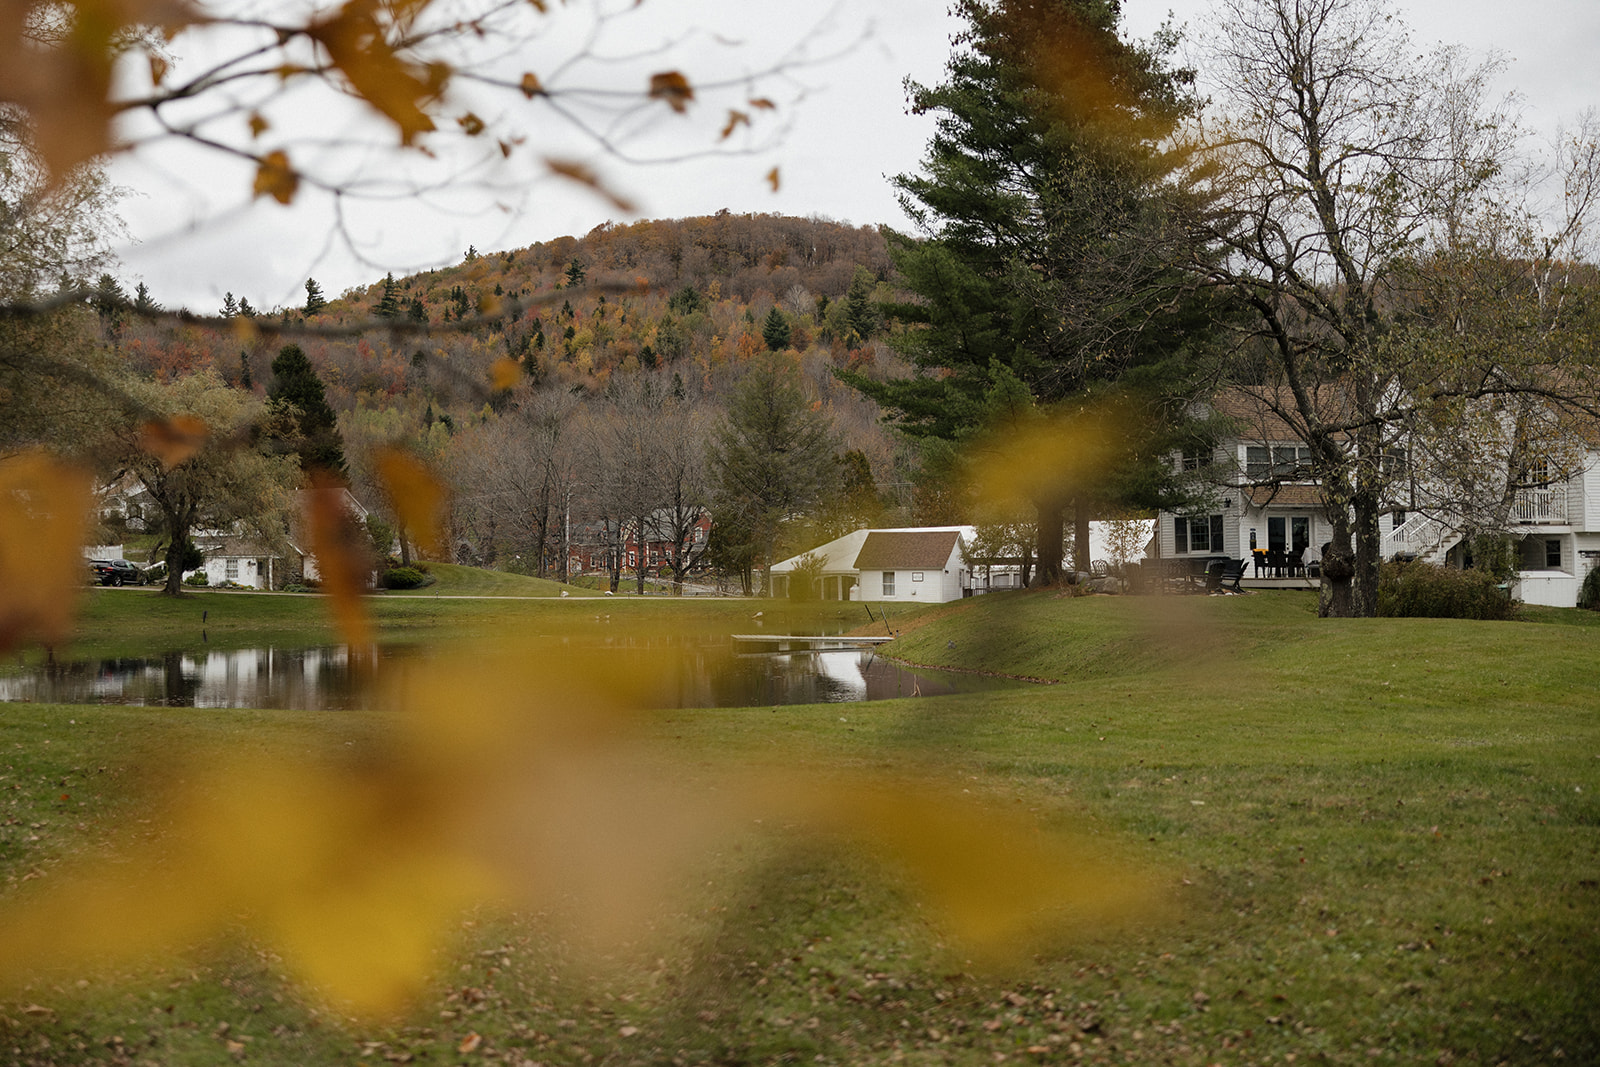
(1049, 535)
(174, 582)
(1338, 568)
(1081, 552)
(643, 551)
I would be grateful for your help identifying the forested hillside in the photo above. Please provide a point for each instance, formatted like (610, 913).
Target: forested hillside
(661, 317)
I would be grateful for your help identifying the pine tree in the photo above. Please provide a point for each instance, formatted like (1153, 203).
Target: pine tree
(230, 306)
(1042, 258)
(142, 303)
(775, 331)
(315, 301)
(575, 274)
(388, 306)
(246, 382)
(246, 310)
(295, 384)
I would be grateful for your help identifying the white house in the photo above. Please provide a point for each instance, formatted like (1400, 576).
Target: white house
(1266, 501)
(922, 565)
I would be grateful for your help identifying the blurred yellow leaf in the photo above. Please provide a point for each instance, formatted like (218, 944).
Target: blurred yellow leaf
(343, 564)
(1052, 456)
(490, 305)
(258, 124)
(998, 884)
(673, 88)
(244, 330)
(470, 124)
(530, 85)
(158, 70)
(275, 178)
(505, 373)
(583, 175)
(358, 46)
(44, 514)
(65, 86)
(174, 440)
(763, 104)
(417, 496)
(772, 178)
(735, 120)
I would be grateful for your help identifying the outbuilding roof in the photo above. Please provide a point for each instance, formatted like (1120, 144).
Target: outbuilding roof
(907, 549)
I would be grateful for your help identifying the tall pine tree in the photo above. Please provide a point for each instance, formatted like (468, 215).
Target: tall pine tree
(1043, 254)
(296, 385)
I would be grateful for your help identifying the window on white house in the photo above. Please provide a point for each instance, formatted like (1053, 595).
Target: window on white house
(1552, 554)
(1257, 461)
(1200, 534)
(231, 570)
(888, 583)
(1195, 458)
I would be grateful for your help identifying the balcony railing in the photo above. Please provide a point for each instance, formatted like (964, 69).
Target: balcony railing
(1547, 505)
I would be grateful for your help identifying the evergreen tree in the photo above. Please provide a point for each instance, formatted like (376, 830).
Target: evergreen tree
(295, 384)
(246, 382)
(230, 306)
(1044, 260)
(575, 274)
(773, 458)
(859, 312)
(315, 301)
(246, 310)
(775, 331)
(142, 303)
(417, 312)
(109, 301)
(388, 306)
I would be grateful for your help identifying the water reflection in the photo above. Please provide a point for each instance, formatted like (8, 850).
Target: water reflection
(311, 679)
(703, 675)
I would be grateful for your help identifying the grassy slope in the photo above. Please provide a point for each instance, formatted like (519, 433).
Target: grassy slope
(1383, 836)
(455, 580)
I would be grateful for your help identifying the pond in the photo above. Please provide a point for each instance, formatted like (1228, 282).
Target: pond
(709, 675)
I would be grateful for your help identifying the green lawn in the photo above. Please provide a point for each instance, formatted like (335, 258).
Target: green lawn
(1379, 840)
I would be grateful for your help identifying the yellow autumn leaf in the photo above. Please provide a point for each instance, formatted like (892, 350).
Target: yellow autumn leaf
(258, 124)
(276, 178)
(584, 175)
(735, 120)
(158, 70)
(505, 373)
(358, 47)
(417, 496)
(44, 512)
(531, 86)
(673, 88)
(174, 440)
(343, 564)
(470, 124)
(772, 178)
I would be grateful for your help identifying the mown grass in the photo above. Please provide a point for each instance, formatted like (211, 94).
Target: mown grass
(1380, 838)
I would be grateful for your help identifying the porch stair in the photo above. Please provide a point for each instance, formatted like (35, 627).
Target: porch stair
(1424, 537)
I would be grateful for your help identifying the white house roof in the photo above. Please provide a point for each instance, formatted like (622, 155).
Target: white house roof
(839, 555)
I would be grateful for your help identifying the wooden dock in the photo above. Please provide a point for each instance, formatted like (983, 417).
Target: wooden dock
(812, 642)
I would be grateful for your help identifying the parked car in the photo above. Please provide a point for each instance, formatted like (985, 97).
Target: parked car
(116, 572)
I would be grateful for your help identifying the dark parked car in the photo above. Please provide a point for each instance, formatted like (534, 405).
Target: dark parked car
(116, 572)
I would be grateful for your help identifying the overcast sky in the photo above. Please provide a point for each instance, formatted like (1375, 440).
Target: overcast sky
(844, 131)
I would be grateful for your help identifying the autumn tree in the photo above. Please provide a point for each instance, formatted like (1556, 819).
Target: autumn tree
(200, 466)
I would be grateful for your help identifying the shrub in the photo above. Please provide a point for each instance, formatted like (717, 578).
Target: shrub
(198, 578)
(1424, 591)
(403, 578)
(805, 581)
(1589, 591)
